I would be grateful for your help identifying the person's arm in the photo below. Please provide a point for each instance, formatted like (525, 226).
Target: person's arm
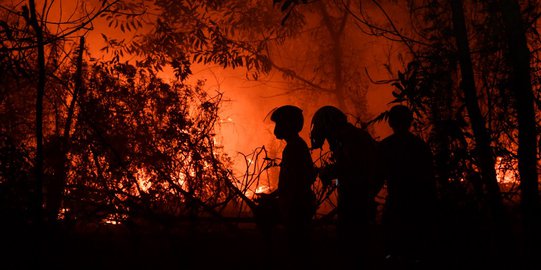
(327, 173)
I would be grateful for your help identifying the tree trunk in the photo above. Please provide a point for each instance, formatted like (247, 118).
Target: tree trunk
(39, 113)
(56, 185)
(481, 134)
(336, 32)
(519, 55)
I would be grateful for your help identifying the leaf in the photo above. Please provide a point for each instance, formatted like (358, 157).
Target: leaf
(398, 85)
(413, 65)
(401, 76)
(286, 4)
(283, 22)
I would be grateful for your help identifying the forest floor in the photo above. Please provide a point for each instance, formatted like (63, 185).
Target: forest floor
(118, 247)
(212, 247)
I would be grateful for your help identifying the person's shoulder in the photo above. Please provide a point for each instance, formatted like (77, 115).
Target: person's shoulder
(358, 132)
(355, 129)
(385, 143)
(301, 141)
(303, 144)
(298, 144)
(388, 140)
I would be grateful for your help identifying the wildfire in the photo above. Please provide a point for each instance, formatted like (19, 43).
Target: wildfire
(262, 189)
(226, 120)
(143, 179)
(62, 213)
(182, 179)
(114, 219)
(506, 171)
(259, 190)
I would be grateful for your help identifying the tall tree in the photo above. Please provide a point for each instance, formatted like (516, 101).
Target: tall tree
(34, 44)
(33, 20)
(482, 138)
(521, 84)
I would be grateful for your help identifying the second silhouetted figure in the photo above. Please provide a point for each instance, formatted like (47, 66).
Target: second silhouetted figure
(354, 154)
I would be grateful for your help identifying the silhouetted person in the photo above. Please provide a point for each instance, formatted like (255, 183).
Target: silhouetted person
(297, 174)
(354, 155)
(410, 205)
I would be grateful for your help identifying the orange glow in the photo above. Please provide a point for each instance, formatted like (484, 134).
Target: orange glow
(62, 213)
(114, 219)
(143, 179)
(243, 125)
(181, 180)
(258, 190)
(262, 189)
(506, 172)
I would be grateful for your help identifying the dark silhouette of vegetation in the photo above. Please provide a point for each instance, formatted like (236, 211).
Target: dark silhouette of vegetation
(94, 141)
(460, 79)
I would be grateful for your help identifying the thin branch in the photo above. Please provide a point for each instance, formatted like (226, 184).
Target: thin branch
(68, 32)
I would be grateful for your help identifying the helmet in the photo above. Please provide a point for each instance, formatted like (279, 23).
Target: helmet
(324, 121)
(288, 116)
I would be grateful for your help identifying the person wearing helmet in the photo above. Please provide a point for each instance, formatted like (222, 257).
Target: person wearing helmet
(406, 162)
(354, 166)
(297, 174)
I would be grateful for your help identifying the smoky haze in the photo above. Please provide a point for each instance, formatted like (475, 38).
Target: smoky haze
(309, 55)
(116, 115)
(330, 59)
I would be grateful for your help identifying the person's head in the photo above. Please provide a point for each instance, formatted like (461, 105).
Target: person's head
(324, 123)
(288, 121)
(400, 118)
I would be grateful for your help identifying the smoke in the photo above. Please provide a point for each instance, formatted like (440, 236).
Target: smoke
(243, 124)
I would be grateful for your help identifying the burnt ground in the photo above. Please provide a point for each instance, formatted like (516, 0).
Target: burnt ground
(219, 247)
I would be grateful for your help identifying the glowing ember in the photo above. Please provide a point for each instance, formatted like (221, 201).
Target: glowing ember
(226, 120)
(262, 189)
(114, 219)
(143, 179)
(506, 171)
(181, 179)
(62, 213)
(112, 222)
